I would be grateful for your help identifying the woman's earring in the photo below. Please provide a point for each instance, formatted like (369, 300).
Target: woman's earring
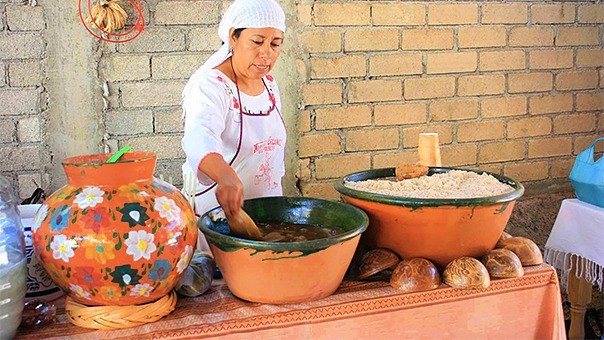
(231, 50)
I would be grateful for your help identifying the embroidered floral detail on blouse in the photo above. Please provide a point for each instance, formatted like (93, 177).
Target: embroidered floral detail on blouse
(271, 83)
(270, 86)
(271, 97)
(273, 105)
(229, 91)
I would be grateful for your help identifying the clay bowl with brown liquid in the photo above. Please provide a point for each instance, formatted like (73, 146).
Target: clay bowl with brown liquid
(286, 272)
(439, 230)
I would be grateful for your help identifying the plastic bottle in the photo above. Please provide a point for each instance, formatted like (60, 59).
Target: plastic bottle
(13, 263)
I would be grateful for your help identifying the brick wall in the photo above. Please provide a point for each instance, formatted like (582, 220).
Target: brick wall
(22, 96)
(514, 88)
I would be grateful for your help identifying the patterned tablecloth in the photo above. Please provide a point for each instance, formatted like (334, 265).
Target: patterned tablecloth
(528, 307)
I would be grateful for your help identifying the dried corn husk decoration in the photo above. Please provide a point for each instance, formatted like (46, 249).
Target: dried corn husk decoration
(108, 15)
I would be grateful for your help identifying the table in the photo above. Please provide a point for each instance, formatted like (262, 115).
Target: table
(528, 307)
(575, 247)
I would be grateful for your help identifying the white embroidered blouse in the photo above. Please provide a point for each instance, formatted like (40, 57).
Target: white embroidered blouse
(250, 135)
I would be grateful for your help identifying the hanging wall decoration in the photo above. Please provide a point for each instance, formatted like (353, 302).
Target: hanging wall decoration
(106, 20)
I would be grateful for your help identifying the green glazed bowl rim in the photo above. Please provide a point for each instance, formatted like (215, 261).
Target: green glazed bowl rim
(425, 202)
(303, 246)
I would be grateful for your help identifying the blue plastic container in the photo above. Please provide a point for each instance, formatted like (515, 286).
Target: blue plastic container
(587, 176)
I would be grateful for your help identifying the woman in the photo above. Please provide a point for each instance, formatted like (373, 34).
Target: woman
(234, 136)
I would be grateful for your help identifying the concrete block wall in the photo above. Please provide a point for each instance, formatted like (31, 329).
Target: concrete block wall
(514, 88)
(23, 99)
(146, 77)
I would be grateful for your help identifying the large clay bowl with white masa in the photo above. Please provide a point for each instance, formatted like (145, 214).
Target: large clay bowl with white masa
(286, 272)
(439, 230)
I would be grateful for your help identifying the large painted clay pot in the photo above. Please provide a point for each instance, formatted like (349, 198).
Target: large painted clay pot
(440, 230)
(115, 235)
(286, 272)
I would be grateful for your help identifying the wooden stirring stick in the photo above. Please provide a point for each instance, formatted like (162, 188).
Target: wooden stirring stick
(429, 150)
(243, 226)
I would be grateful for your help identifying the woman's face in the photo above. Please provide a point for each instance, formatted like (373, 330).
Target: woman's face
(256, 50)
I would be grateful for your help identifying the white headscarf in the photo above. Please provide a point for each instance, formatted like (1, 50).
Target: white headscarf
(241, 14)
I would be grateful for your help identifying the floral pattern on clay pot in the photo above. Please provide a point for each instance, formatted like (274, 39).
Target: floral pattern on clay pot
(115, 235)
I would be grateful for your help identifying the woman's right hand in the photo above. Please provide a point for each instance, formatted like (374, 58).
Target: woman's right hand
(229, 193)
(229, 189)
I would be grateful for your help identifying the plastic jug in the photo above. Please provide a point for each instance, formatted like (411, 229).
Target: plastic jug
(13, 263)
